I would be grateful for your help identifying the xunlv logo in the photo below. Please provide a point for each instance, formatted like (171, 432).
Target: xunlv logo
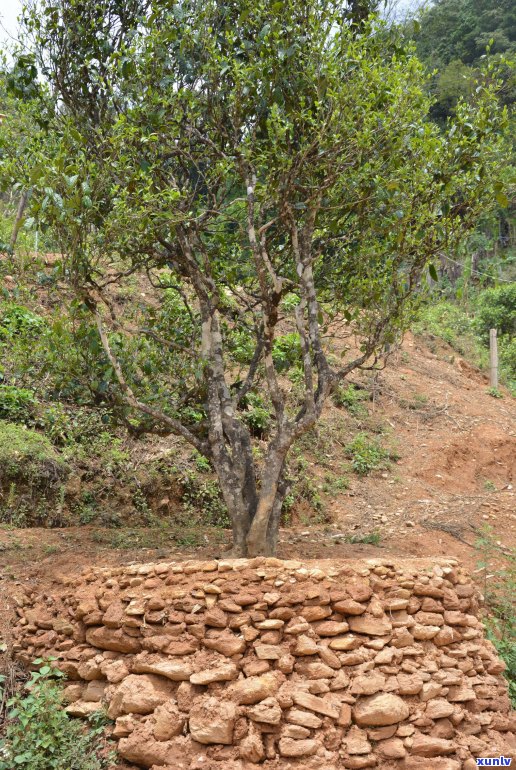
(494, 762)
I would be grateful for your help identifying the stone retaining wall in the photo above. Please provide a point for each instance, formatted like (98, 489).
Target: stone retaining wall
(226, 665)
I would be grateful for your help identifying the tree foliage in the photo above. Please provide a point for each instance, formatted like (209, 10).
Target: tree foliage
(256, 176)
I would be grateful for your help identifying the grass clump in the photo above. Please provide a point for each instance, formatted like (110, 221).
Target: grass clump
(17, 404)
(31, 472)
(367, 454)
(352, 399)
(370, 538)
(498, 570)
(39, 735)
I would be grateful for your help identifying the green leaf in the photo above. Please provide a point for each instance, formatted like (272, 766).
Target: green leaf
(502, 199)
(433, 272)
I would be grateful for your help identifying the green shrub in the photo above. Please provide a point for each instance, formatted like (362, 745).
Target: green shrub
(203, 498)
(17, 404)
(497, 570)
(371, 538)
(39, 735)
(17, 319)
(351, 398)
(257, 415)
(286, 351)
(31, 474)
(450, 322)
(366, 454)
(496, 309)
(467, 330)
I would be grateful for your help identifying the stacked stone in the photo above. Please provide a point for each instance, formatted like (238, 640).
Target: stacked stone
(222, 665)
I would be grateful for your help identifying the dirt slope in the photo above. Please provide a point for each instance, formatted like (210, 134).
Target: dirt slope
(455, 473)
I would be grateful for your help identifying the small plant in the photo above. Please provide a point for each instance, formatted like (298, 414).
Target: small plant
(16, 319)
(366, 454)
(17, 404)
(498, 573)
(39, 734)
(31, 476)
(286, 351)
(370, 538)
(204, 499)
(202, 463)
(333, 484)
(489, 486)
(257, 416)
(494, 392)
(352, 399)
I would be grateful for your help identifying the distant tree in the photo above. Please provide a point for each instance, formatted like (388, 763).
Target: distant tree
(462, 29)
(249, 176)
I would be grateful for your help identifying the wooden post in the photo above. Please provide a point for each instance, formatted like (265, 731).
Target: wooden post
(493, 358)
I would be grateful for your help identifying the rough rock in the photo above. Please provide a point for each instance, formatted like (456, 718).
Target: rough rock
(381, 709)
(212, 721)
(139, 694)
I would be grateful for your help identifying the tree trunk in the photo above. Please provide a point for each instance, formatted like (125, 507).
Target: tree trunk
(263, 533)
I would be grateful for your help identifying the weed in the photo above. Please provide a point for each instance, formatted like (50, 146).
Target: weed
(286, 351)
(202, 463)
(494, 392)
(204, 498)
(489, 486)
(257, 415)
(366, 454)
(417, 401)
(17, 404)
(370, 538)
(39, 735)
(498, 570)
(352, 399)
(50, 549)
(333, 484)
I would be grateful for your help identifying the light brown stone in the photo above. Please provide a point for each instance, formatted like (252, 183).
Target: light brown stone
(139, 694)
(366, 624)
(344, 643)
(112, 639)
(392, 748)
(267, 711)
(253, 689)
(379, 710)
(212, 720)
(268, 651)
(345, 715)
(82, 708)
(288, 747)
(349, 607)
(356, 741)
(315, 613)
(168, 721)
(305, 645)
(303, 718)
(313, 703)
(223, 673)
(251, 748)
(368, 684)
(438, 709)
(428, 746)
(331, 628)
(227, 644)
(175, 670)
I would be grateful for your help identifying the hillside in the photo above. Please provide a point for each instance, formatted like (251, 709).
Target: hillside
(454, 475)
